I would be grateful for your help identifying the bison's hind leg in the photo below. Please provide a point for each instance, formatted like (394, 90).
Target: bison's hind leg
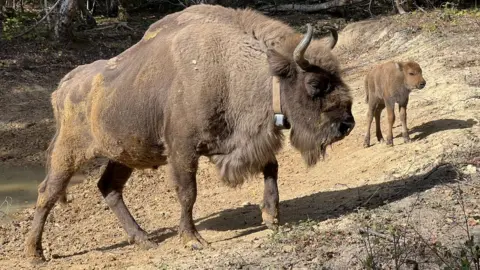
(62, 163)
(111, 186)
(378, 130)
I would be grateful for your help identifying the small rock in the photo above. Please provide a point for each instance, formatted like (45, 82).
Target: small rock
(470, 169)
(246, 203)
(288, 249)
(194, 62)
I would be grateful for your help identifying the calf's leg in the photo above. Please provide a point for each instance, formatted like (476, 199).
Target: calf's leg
(403, 119)
(111, 186)
(378, 129)
(270, 203)
(371, 107)
(391, 121)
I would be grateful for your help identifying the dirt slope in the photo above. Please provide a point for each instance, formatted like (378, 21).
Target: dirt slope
(444, 123)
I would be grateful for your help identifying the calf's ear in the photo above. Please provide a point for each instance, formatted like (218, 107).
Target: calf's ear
(399, 66)
(279, 65)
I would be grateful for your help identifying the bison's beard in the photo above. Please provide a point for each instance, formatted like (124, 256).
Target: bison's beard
(313, 145)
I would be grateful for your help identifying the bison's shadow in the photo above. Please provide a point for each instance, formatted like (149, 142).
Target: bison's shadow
(156, 236)
(331, 204)
(429, 128)
(319, 206)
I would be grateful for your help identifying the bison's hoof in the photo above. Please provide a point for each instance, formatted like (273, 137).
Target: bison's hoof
(37, 261)
(389, 143)
(380, 140)
(407, 139)
(146, 244)
(141, 240)
(34, 256)
(270, 221)
(194, 245)
(194, 241)
(366, 141)
(271, 225)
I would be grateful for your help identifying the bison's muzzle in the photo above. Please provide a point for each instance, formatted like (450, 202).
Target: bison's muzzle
(347, 125)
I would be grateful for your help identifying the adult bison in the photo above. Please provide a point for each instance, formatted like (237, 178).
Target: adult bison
(206, 81)
(385, 85)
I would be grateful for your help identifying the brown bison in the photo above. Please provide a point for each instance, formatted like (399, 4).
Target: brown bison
(385, 85)
(206, 81)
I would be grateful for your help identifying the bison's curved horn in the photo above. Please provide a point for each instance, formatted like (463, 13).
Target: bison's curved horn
(333, 37)
(302, 47)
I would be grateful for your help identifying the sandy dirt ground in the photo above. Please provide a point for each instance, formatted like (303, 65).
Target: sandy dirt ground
(413, 185)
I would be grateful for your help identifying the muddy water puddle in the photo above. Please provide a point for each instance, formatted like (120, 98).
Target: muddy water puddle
(18, 188)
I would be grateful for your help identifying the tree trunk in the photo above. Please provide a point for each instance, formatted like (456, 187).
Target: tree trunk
(313, 7)
(399, 7)
(63, 26)
(2, 17)
(88, 16)
(45, 8)
(1, 23)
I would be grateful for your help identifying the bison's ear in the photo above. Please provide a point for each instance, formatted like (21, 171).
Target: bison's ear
(279, 64)
(399, 66)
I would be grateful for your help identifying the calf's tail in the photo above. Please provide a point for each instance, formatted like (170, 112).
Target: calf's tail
(366, 90)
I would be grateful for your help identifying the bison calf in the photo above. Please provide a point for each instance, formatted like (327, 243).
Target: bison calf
(385, 85)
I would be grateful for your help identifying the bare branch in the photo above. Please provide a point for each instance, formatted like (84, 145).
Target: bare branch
(313, 7)
(39, 22)
(399, 7)
(372, 232)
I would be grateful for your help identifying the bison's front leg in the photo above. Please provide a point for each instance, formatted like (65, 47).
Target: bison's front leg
(184, 178)
(269, 206)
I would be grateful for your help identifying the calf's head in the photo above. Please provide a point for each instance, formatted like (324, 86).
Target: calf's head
(314, 97)
(412, 73)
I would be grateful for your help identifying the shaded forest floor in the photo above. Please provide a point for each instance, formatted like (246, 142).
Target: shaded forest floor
(417, 199)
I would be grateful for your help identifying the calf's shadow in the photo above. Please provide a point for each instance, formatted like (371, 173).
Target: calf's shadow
(426, 129)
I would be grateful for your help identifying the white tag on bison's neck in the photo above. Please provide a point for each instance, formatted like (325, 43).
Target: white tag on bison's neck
(281, 121)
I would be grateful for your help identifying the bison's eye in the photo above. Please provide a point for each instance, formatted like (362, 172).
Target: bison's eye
(319, 88)
(411, 73)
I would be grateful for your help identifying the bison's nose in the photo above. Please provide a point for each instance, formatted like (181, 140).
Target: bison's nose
(347, 125)
(422, 84)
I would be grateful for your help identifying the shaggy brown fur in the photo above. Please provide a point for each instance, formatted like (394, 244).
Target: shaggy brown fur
(385, 85)
(197, 84)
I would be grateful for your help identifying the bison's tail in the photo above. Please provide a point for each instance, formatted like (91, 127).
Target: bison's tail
(48, 152)
(366, 90)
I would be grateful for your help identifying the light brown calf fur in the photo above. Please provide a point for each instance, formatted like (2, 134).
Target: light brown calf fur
(385, 85)
(199, 83)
